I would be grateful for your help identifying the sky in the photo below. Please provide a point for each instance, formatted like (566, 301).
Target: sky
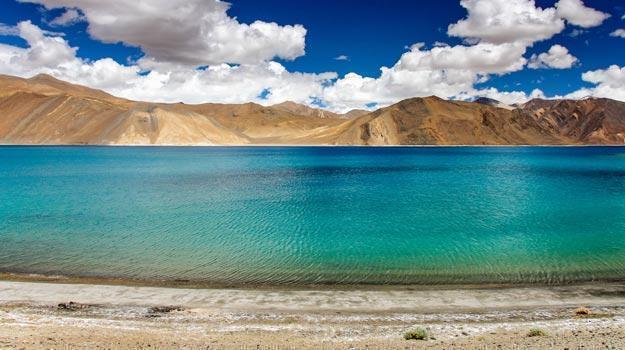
(338, 55)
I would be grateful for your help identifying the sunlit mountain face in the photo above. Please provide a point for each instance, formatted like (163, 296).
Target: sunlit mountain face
(45, 110)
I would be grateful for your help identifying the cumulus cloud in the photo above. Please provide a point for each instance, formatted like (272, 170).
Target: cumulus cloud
(480, 58)
(53, 55)
(225, 83)
(575, 12)
(609, 83)
(497, 34)
(44, 51)
(446, 71)
(68, 18)
(506, 21)
(510, 97)
(516, 21)
(342, 58)
(229, 84)
(557, 57)
(614, 76)
(186, 32)
(619, 33)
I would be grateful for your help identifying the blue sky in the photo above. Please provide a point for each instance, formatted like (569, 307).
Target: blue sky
(374, 33)
(371, 34)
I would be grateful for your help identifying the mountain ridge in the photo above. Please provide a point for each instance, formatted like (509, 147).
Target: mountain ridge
(45, 110)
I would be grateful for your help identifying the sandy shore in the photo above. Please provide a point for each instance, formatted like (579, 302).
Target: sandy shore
(140, 317)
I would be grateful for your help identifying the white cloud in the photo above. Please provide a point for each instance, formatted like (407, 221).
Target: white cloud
(187, 32)
(450, 71)
(44, 51)
(520, 21)
(53, 55)
(506, 21)
(8, 30)
(609, 83)
(557, 57)
(620, 33)
(223, 83)
(498, 33)
(510, 97)
(68, 18)
(575, 12)
(342, 58)
(480, 58)
(613, 76)
(575, 32)
(228, 84)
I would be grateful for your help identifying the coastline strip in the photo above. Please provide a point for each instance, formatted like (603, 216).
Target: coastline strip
(41, 316)
(425, 300)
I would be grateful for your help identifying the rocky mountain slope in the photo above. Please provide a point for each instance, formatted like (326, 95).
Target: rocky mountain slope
(587, 121)
(434, 121)
(44, 110)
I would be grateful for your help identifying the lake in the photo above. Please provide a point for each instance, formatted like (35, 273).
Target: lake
(315, 215)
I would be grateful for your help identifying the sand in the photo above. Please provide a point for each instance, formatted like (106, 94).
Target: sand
(114, 316)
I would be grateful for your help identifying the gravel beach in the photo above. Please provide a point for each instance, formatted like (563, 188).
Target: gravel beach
(37, 315)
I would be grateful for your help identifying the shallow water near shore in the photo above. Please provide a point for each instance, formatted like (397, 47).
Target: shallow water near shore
(315, 215)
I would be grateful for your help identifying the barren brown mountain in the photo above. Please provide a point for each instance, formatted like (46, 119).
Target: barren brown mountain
(588, 121)
(301, 109)
(434, 121)
(44, 110)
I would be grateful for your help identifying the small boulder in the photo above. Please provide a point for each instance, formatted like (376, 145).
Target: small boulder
(72, 306)
(582, 311)
(164, 309)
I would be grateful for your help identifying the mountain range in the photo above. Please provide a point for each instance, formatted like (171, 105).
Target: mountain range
(45, 110)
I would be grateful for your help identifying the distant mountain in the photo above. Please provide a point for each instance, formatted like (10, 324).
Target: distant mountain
(44, 110)
(355, 113)
(588, 121)
(47, 85)
(493, 103)
(434, 121)
(300, 109)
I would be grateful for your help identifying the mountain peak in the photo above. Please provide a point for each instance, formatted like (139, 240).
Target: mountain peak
(289, 104)
(301, 109)
(42, 77)
(487, 101)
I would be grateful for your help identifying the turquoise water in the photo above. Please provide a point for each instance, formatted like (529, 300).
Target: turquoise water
(271, 215)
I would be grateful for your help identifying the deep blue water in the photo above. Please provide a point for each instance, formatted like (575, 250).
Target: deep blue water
(278, 215)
